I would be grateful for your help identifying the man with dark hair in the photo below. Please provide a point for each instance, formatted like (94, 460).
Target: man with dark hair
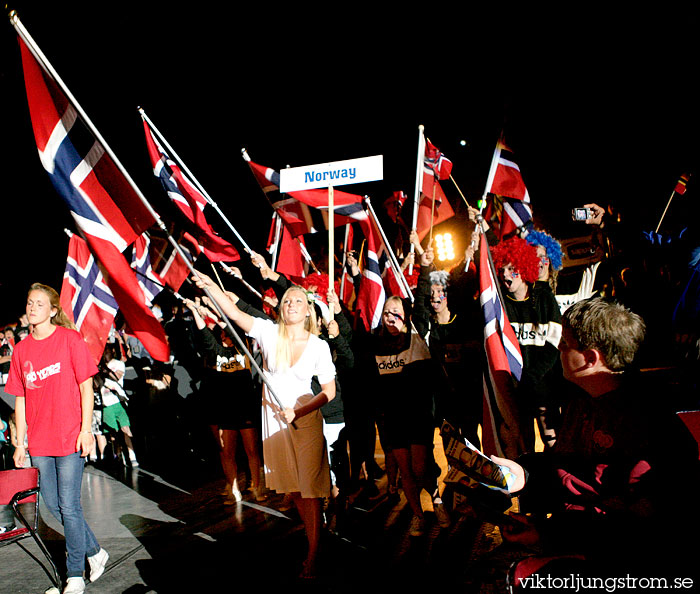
(619, 482)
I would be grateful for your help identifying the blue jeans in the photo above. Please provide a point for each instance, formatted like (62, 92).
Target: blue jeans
(61, 479)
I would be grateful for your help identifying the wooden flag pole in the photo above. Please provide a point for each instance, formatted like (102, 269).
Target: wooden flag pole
(665, 209)
(331, 242)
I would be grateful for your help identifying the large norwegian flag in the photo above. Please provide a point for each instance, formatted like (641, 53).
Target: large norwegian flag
(188, 199)
(503, 357)
(86, 298)
(104, 204)
(510, 207)
(434, 207)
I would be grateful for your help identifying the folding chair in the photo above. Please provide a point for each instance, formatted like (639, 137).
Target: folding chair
(20, 486)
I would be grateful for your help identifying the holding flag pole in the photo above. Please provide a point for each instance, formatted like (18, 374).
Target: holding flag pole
(92, 200)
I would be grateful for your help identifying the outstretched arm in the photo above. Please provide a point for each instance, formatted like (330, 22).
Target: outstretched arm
(243, 320)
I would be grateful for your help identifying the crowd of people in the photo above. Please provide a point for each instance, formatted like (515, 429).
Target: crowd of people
(328, 387)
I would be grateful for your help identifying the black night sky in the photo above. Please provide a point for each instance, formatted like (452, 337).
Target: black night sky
(596, 107)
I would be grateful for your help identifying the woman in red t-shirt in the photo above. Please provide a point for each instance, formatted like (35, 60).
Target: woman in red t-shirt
(51, 378)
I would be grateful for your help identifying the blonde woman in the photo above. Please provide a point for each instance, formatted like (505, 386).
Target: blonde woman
(51, 378)
(295, 458)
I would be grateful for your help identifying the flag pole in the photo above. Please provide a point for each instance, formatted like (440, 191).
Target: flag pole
(345, 251)
(419, 179)
(184, 167)
(331, 241)
(665, 209)
(46, 65)
(392, 258)
(247, 285)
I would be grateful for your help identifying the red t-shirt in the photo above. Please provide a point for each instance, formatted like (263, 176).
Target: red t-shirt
(47, 373)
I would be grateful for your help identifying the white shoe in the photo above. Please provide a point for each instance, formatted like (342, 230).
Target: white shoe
(74, 585)
(98, 562)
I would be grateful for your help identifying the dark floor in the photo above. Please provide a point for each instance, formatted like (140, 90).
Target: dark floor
(169, 529)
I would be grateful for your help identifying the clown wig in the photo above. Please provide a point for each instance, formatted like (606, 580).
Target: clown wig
(520, 254)
(552, 247)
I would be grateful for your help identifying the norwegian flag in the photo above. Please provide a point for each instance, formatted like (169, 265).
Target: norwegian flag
(371, 295)
(188, 199)
(377, 271)
(435, 167)
(682, 183)
(166, 262)
(151, 284)
(503, 357)
(510, 208)
(86, 298)
(288, 258)
(105, 206)
(506, 216)
(347, 208)
(394, 204)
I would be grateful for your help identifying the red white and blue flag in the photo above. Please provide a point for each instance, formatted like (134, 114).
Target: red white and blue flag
(510, 207)
(434, 207)
(347, 208)
(371, 295)
(105, 206)
(86, 298)
(188, 199)
(503, 357)
(150, 282)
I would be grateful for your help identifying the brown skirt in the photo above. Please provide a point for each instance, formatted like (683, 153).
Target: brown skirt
(296, 460)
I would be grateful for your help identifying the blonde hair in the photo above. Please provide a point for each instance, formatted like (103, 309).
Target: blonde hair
(396, 299)
(283, 351)
(59, 318)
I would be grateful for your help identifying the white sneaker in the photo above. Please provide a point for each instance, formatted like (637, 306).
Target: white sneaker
(74, 585)
(98, 562)
(417, 526)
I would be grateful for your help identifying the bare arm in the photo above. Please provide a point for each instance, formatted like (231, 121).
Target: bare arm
(20, 432)
(85, 439)
(243, 320)
(326, 394)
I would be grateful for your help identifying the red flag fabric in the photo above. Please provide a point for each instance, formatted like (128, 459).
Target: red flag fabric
(435, 167)
(188, 199)
(167, 263)
(371, 295)
(681, 186)
(286, 249)
(89, 181)
(85, 297)
(505, 178)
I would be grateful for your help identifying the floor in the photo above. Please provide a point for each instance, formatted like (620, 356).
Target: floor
(168, 528)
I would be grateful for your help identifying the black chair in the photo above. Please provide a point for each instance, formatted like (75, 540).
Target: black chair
(19, 486)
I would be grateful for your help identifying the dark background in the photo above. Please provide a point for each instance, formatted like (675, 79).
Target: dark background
(597, 106)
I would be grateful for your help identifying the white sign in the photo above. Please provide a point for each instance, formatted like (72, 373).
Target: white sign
(337, 173)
